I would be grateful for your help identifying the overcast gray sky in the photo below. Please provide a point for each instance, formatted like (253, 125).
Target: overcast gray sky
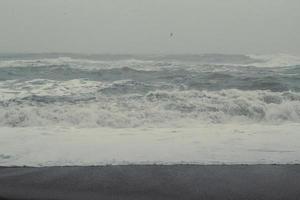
(144, 26)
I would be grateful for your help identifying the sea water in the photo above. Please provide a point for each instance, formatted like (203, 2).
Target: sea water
(144, 92)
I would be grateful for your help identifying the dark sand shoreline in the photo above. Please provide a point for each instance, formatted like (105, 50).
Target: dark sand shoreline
(143, 182)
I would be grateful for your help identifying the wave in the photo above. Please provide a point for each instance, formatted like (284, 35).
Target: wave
(85, 64)
(150, 62)
(208, 77)
(275, 60)
(148, 91)
(14, 90)
(44, 90)
(161, 108)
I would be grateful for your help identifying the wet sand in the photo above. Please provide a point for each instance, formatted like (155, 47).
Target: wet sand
(152, 182)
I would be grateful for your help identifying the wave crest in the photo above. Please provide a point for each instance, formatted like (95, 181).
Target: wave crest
(158, 108)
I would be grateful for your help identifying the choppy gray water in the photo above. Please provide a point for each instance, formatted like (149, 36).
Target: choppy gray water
(151, 91)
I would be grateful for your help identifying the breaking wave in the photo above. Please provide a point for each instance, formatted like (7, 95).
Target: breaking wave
(276, 60)
(93, 107)
(148, 91)
(145, 62)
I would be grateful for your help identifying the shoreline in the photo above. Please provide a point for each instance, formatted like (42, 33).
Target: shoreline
(152, 182)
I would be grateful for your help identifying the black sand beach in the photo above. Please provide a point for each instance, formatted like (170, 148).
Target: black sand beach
(152, 182)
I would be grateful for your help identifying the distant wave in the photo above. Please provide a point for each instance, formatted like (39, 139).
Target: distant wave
(205, 77)
(102, 61)
(276, 60)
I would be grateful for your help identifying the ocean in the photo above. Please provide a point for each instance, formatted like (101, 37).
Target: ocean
(44, 93)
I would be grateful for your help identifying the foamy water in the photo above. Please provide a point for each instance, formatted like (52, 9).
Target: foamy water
(148, 91)
(122, 94)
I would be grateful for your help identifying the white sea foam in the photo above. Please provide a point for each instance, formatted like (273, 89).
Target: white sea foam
(86, 103)
(14, 89)
(201, 144)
